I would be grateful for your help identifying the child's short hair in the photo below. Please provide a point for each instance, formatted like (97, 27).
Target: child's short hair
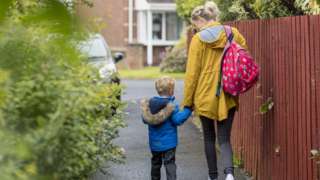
(165, 85)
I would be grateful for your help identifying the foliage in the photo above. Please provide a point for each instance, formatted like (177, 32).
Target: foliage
(185, 7)
(263, 9)
(4, 6)
(238, 162)
(56, 117)
(267, 106)
(315, 154)
(309, 6)
(176, 58)
(272, 9)
(253, 9)
(224, 6)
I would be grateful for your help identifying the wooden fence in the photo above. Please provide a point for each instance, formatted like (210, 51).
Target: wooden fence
(276, 146)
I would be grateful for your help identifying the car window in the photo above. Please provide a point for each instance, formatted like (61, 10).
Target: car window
(96, 49)
(97, 59)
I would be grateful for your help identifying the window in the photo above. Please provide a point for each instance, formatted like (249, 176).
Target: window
(173, 26)
(166, 27)
(157, 26)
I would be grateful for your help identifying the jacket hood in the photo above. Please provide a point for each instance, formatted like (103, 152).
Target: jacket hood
(160, 115)
(212, 34)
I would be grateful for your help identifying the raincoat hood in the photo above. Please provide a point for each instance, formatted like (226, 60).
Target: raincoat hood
(156, 110)
(211, 35)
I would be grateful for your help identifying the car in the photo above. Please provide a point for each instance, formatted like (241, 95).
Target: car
(100, 56)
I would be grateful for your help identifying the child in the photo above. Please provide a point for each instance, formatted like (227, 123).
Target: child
(162, 115)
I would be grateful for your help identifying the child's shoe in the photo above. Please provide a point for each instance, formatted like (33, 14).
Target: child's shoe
(229, 177)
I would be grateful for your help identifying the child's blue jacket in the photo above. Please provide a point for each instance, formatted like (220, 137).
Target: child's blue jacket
(163, 116)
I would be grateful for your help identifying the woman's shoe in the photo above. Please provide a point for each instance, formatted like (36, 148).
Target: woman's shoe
(229, 177)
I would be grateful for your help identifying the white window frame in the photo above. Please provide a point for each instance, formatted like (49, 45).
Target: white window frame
(163, 41)
(144, 21)
(143, 29)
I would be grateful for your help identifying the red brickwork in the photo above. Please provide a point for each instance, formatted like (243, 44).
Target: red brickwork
(114, 14)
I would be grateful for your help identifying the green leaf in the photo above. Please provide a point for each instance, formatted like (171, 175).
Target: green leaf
(4, 7)
(185, 7)
(54, 14)
(267, 106)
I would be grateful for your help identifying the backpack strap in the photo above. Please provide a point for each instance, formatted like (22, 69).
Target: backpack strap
(229, 34)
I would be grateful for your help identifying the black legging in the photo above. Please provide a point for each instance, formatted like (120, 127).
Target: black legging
(224, 132)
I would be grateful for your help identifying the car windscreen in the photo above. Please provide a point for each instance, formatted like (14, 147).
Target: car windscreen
(97, 50)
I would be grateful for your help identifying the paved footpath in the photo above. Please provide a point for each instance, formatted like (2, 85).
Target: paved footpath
(190, 154)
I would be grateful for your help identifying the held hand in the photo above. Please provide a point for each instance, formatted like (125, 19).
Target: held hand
(181, 116)
(188, 107)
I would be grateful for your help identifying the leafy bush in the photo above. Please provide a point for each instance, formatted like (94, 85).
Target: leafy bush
(224, 6)
(56, 117)
(175, 59)
(261, 9)
(311, 7)
(185, 7)
(252, 9)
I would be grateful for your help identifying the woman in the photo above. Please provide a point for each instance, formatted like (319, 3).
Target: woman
(201, 83)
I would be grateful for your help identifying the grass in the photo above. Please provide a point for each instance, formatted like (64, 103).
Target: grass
(147, 73)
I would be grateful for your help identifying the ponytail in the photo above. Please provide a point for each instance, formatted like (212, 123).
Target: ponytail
(209, 11)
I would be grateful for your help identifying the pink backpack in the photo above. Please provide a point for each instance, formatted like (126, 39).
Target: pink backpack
(238, 71)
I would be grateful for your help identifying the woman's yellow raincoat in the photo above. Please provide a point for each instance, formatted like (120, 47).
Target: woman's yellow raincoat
(202, 75)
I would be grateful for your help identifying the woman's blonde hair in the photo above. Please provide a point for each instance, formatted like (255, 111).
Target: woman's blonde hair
(209, 11)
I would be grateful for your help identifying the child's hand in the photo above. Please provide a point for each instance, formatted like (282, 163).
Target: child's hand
(188, 111)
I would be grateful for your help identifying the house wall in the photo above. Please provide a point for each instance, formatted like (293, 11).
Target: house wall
(114, 14)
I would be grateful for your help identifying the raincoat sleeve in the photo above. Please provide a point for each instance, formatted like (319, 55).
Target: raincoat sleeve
(179, 117)
(193, 71)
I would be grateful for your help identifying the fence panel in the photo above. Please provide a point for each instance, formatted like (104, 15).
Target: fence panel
(277, 145)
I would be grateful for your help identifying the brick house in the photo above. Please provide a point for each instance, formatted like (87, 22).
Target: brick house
(142, 29)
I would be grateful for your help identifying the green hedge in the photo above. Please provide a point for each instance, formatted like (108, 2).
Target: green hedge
(56, 117)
